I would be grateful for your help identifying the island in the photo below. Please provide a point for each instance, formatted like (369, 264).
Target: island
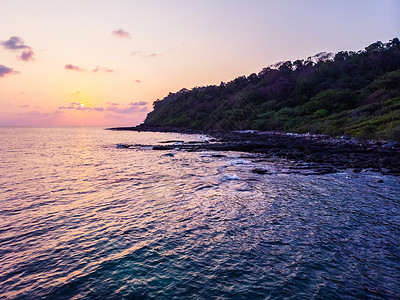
(340, 110)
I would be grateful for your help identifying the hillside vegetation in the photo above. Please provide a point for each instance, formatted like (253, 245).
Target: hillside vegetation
(347, 93)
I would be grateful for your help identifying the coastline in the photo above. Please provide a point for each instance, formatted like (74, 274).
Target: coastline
(330, 154)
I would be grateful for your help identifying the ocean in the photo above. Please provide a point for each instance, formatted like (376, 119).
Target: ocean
(82, 218)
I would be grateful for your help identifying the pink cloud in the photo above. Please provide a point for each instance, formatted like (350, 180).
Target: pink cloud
(121, 33)
(141, 103)
(103, 69)
(126, 110)
(73, 68)
(89, 108)
(32, 118)
(27, 55)
(78, 106)
(66, 107)
(95, 70)
(14, 43)
(6, 71)
(151, 55)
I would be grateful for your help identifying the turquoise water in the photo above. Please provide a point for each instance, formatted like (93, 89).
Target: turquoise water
(81, 218)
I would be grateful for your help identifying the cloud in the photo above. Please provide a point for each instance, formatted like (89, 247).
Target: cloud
(89, 108)
(32, 118)
(141, 103)
(6, 71)
(126, 110)
(121, 33)
(95, 70)
(14, 43)
(66, 107)
(112, 108)
(152, 55)
(144, 55)
(103, 69)
(78, 106)
(73, 68)
(27, 55)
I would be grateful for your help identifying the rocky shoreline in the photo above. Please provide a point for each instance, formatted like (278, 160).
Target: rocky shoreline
(328, 153)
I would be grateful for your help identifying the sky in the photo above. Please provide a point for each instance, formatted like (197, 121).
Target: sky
(104, 63)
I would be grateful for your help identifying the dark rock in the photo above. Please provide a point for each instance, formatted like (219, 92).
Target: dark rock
(217, 155)
(260, 171)
(169, 142)
(322, 150)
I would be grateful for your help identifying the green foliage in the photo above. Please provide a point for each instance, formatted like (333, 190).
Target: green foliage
(353, 93)
(320, 113)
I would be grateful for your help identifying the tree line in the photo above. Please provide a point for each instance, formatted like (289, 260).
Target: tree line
(347, 93)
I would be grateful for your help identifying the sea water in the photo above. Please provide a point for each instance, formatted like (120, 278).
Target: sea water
(81, 217)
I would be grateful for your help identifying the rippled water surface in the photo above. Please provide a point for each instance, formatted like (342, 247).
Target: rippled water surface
(81, 218)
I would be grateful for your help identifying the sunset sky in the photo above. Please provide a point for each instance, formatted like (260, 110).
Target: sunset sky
(105, 62)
